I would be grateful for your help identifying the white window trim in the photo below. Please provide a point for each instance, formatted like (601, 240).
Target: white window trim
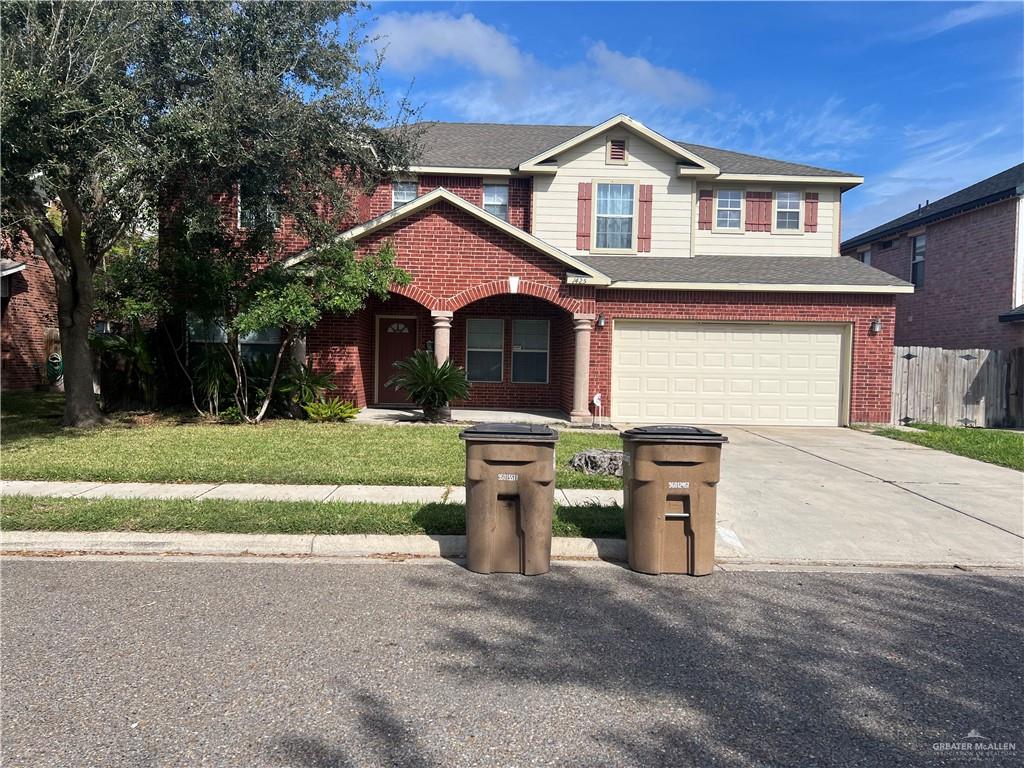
(395, 183)
(501, 376)
(801, 212)
(593, 216)
(743, 212)
(608, 150)
(547, 355)
(508, 197)
(914, 258)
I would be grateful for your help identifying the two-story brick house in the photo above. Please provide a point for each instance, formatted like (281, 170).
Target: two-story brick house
(682, 283)
(965, 256)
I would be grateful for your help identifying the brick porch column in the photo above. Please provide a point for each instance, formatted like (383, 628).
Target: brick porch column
(442, 335)
(582, 325)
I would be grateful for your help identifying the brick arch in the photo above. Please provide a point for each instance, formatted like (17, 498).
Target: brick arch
(418, 295)
(501, 287)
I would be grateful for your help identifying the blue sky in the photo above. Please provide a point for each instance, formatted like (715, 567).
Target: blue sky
(919, 98)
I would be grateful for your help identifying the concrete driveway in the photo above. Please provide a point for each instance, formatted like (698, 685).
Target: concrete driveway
(843, 496)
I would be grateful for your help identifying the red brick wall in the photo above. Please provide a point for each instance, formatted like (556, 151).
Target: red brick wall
(30, 309)
(969, 262)
(871, 376)
(449, 251)
(508, 394)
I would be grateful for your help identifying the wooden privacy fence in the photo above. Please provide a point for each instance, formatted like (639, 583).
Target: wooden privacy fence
(958, 387)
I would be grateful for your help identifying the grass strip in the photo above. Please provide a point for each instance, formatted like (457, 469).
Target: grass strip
(993, 446)
(42, 513)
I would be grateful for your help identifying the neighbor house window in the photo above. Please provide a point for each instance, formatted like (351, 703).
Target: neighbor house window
(730, 203)
(496, 200)
(917, 245)
(865, 256)
(250, 212)
(787, 211)
(402, 192)
(614, 217)
(530, 351)
(484, 349)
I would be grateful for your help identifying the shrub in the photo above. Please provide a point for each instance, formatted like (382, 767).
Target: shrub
(334, 409)
(429, 385)
(231, 415)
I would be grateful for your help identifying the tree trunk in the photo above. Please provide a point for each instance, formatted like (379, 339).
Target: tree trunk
(74, 312)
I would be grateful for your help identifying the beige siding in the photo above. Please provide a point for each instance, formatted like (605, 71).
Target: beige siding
(820, 243)
(555, 196)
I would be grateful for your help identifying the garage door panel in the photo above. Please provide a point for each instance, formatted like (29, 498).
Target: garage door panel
(727, 373)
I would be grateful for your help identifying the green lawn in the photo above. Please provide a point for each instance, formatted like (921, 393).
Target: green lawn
(219, 516)
(991, 445)
(166, 449)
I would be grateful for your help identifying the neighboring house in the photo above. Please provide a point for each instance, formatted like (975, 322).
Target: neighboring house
(29, 314)
(965, 255)
(680, 282)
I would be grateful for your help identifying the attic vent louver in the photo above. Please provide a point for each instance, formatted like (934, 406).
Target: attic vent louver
(617, 151)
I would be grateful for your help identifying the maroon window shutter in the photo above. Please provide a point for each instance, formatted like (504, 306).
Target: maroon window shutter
(583, 217)
(811, 212)
(643, 227)
(759, 212)
(704, 208)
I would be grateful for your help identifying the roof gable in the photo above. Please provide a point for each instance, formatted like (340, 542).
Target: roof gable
(695, 164)
(441, 194)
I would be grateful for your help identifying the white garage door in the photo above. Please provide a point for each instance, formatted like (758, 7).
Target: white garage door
(727, 373)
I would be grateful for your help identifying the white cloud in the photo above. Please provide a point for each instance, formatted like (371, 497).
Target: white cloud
(937, 161)
(415, 41)
(961, 16)
(511, 85)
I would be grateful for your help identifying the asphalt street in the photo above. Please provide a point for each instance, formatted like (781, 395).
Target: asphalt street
(324, 665)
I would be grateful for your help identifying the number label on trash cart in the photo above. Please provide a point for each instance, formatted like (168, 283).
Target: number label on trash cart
(677, 484)
(508, 476)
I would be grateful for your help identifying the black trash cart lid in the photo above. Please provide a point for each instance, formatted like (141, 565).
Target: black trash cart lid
(519, 433)
(672, 433)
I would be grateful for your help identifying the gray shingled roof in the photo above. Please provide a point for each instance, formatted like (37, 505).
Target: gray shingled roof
(1015, 315)
(1006, 184)
(774, 270)
(499, 145)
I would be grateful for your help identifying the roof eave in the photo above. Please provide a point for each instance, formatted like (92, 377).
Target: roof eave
(761, 287)
(947, 213)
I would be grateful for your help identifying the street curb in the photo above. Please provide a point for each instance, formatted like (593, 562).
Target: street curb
(355, 545)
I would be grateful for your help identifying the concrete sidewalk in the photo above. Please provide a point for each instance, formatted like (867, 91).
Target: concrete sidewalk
(382, 494)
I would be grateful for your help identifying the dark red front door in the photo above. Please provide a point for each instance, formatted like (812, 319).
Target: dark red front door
(396, 340)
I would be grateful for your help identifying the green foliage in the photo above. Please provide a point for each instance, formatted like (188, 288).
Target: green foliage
(131, 354)
(994, 446)
(132, 286)
(301, 384)
(334, 409)
(212, 376)
(429, 385)
(231, 415)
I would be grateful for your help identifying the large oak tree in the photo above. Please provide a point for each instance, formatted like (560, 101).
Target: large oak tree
(115, 111)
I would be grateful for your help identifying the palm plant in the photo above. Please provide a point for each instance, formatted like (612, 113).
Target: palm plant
(429, 385)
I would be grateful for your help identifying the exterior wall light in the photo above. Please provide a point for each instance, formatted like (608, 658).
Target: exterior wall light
(876, 325)
(600, 320)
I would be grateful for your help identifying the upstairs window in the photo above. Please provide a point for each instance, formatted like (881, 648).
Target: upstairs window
(484, 349)
(728, 209)
(616, 152)
(496, 200)
(787, 211)
(917, 245)
(530, 351)
(614, 216)
(865, 256)
(402, 192)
